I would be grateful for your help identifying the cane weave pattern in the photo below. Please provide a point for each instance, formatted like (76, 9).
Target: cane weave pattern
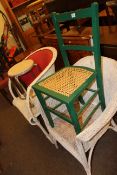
(67, 80)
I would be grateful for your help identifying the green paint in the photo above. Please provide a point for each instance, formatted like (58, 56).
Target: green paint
(91, 12)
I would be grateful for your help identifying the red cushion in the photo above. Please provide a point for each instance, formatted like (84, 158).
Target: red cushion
(28, 78)
(42, 58)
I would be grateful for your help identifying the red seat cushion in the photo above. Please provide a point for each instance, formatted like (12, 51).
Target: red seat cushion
(41, 58)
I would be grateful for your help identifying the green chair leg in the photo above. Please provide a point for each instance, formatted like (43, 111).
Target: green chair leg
(74, 117)
(44, 106)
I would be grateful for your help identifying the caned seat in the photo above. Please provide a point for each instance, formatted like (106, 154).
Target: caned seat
(70, 85)
(67, 80)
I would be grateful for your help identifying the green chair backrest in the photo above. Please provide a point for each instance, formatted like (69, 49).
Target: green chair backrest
(91, 12)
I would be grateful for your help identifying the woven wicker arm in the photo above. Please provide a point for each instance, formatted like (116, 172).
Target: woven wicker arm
(88, 138)
(103, 120)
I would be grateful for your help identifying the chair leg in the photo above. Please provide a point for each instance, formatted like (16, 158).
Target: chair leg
(4, 93)
(44, 106)
(101, 90)
(102, 98)
(74, 117)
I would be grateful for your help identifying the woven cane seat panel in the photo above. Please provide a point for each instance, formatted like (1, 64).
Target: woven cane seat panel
(67, 80)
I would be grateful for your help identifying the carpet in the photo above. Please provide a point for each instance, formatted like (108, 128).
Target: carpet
(24, 150)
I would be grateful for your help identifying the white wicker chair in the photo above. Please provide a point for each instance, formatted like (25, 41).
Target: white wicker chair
(78, 145)
(30, 107)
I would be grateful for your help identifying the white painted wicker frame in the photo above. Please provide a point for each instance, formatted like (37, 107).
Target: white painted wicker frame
(87, 139)
(23, 105)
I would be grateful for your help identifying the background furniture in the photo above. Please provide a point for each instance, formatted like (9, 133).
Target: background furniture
(71, 36)
(60, 5)
(39, 18)
(108, 42)
(57, 5)
(113, 6)
(108, 35)
(14, 21)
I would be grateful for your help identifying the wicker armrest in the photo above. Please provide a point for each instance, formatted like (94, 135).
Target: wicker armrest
(101, 122)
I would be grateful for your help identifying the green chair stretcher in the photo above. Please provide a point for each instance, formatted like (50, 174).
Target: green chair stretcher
(70, 83)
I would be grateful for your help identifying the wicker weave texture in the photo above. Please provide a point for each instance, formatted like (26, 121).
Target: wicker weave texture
(67, 80)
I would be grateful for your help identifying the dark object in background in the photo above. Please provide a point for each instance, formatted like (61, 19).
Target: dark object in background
(4, 82)
(113, 5)
(114, 9)
(68, 5)
(109, 51)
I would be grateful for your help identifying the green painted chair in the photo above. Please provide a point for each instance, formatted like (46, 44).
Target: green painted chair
(70, 83)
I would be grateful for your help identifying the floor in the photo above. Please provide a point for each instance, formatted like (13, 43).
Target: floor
(24, 150)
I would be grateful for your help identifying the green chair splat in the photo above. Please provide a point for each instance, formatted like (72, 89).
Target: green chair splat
(68, 85)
